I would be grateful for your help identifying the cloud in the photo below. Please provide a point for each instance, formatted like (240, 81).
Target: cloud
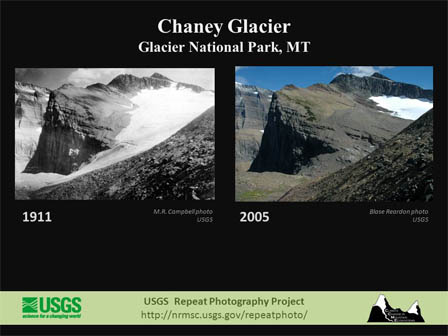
(385, 67)
(86, 76)
(29, 74)
(50, 78)
(362, 71)
(238, 68)
(241, 80)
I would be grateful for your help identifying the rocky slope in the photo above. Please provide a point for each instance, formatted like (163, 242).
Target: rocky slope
(378, 85)
(320, 129)
(180, 168)
(251, 110)
(401, 171)
(30, 104)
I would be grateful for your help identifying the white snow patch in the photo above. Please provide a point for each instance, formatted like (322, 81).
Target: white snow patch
(413, 309)
(26, 89)
(125, 105)
(30, 182)
(403, 107)
(161, 113)
(262, 131)
(73, 152)
(381, 302)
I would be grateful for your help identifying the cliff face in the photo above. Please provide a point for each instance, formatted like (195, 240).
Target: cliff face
(78, 123)
(400, 171)
(251, 106)
(251, 110)
(180, 168)
(379, 85)
(319, 130)
(30, 104)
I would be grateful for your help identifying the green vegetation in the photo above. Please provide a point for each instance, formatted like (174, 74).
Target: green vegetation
(262, 187)
(311, 116)
(252, 195)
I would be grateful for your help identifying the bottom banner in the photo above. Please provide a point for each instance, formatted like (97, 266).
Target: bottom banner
(223, 308)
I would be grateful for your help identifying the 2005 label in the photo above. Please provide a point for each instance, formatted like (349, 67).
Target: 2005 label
(257, 216)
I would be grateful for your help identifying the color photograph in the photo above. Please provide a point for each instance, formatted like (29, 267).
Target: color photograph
(342, 134)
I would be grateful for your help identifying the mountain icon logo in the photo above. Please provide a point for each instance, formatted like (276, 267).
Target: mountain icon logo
(382, 312)
(29, 304)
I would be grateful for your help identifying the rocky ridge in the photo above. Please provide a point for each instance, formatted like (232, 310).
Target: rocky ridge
(378, 85)
(129, 84)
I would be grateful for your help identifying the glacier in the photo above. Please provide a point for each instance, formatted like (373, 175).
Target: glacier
(403, 107)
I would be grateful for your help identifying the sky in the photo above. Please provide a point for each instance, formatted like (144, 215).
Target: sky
(274, 78)
(52, 78)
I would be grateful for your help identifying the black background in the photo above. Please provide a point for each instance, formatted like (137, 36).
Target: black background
(120, 245)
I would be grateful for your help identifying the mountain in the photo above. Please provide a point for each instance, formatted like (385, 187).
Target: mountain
(251, 110)
(180, 168)
(378, 85)
(320, 129)
(401, 170)
(126, 83)
(78, 123)
(30, 104)
(101, 124)
(382, 312)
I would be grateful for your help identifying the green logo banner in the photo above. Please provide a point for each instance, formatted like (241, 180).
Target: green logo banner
(51, 307)
(224, 308)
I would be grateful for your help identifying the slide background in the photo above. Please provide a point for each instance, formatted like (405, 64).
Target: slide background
(115, 245)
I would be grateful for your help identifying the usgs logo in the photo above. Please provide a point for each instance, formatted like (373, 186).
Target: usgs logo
(51, 304)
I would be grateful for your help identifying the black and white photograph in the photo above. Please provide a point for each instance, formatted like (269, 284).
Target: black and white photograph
(344, 134)
(100, 133)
